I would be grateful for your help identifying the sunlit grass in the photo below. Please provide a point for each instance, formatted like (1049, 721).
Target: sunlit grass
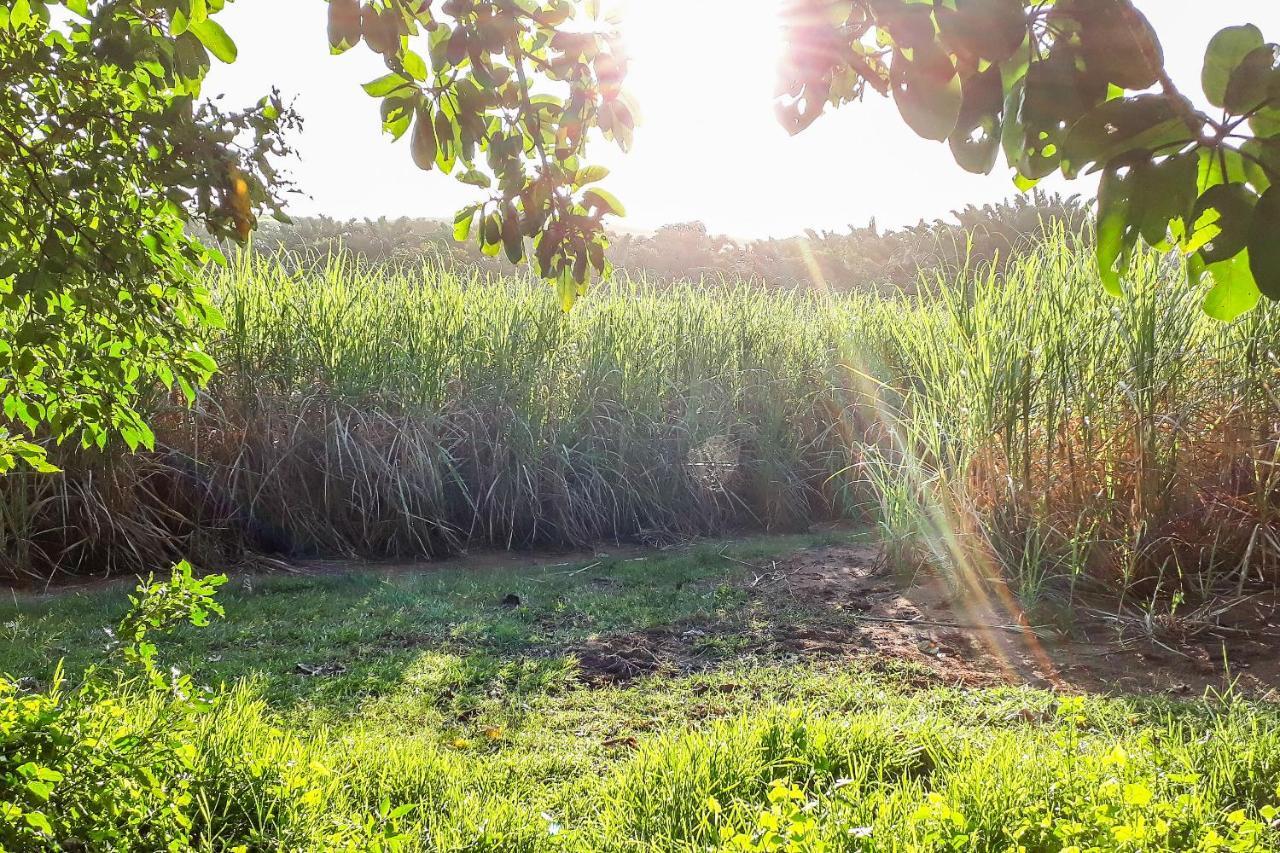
(470, 715)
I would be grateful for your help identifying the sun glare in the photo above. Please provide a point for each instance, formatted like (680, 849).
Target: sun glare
(703, 72)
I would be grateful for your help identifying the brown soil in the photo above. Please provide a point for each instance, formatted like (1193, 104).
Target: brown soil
(843, 602)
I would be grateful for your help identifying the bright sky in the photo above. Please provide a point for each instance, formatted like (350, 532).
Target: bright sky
(708, 147)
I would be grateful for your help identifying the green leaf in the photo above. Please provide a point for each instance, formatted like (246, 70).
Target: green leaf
(446, 137)
(1121, 126)
(387, 84)
(1115, 239)
(1234, 290)
(1164, 192)
(1012, 132)
(215, 38)
(1261, 162)
(928, 102)
(462, 222)
(1226, 50)
(566, 289)
(475, 178)
(491, 231)
(975, 142)
(40, 790)
(1264, 243)
(604, 201)
(1254, 81)
(1060, 89)
(990, 29)
(591, 174)
(422, 145)
(1220, 166)
(1031, 142)
(1222, 218)
(37, 821)
(397, 115)
(512, 241)
(414, 65)
(1266, 122)
(1118, 42)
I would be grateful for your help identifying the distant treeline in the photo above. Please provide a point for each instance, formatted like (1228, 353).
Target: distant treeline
(861, 258)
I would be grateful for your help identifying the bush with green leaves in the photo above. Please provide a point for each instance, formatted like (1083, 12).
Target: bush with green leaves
(106, 155)
(77, 770)
(137, 756)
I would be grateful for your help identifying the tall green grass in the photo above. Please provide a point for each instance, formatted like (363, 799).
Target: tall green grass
(1039, 430)
(1025, 426)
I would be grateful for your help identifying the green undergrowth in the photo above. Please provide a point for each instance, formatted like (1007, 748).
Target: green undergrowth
(431, 711)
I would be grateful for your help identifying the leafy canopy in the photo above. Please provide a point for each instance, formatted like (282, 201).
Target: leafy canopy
(504, 93)
(106, 155)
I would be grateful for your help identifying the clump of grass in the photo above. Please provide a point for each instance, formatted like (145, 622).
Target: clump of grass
(1036, 430)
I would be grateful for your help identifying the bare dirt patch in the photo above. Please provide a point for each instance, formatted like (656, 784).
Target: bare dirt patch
(844, 602)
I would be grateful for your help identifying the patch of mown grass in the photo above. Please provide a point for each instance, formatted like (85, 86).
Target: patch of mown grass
(433, 695)
(369, 633)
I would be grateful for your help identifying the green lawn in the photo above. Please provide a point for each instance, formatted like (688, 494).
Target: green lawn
(349, 696)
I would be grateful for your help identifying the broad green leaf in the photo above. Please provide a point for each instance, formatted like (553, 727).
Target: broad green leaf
(604, 201)
(397, 115)
(591, 174)
(462, 222)
(1060, 89)
(1119, 43)
(491, 230)
(1012, 131)
(422, 145)
(1261, 162)
(414, 65)
(567, 290)
(929, 103)
(1226, 50)
(1220, 166)
(1031, 141)
(1254, 81)
(215, 38)
(344, 25)
(1234, 290)
(38, 821)
(475, 178)
(1115, 239)
(446, 143)
(387, 84)
(1264, 243)
(975, 142)
(512, 241)
(1266, 121)
(990, 29)
(1223, 214)
(1164, 192)
(1115, 128)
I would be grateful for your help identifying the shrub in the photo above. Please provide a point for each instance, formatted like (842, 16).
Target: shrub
(77, 770)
